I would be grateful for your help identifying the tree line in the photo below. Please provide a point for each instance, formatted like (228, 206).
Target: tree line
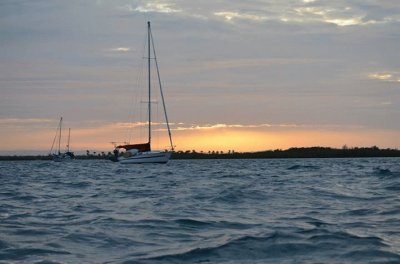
(310, 152)
(305, 152)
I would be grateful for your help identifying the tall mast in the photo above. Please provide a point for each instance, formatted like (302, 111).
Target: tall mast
(59, 138)
(149, 80)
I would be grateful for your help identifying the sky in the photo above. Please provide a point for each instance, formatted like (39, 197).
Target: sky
(237, 75)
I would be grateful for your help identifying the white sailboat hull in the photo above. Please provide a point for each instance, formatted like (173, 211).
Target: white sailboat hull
(146, 157)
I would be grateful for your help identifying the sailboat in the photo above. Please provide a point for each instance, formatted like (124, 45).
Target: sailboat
(142, 152)
(58, 156)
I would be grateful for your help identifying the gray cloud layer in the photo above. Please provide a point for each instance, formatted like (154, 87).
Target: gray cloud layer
(238, 62)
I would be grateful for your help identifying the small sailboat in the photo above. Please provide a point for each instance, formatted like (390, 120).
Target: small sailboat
(142, 152)
(58, 156)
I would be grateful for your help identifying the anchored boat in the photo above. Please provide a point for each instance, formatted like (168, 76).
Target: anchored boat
(142, 152)
(58, 156)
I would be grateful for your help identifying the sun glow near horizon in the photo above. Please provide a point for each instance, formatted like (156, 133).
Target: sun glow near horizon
(217, 137)
(254, 140)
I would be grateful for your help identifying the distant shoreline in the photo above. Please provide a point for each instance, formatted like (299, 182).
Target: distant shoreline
(311, 152)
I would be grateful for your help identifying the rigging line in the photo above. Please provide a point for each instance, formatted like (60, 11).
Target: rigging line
(54, 141)
(157, 120)
(161, 92)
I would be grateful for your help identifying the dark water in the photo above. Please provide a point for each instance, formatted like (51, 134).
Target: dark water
(206, 211)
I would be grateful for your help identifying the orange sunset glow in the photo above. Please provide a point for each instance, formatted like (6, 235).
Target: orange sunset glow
(205, 138)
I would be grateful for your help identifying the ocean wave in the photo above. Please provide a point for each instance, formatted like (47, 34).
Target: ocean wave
(239, 195)
(366, 255)
(197, 224)
(4, 244)
(31, 232)
(304, 167)
(393, 187)
(98, 239)
(393, 211)
(309, 220)
(319, 243)
(23, 253)
(245, 247)
(192, 223)
(47, 262)
(361, 212)
(386, 173)
(320, 235)
(341, 195)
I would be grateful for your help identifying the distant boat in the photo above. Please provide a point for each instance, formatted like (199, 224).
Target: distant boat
(58, 156)
(143, 153)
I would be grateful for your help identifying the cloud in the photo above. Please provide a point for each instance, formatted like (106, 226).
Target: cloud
(339, 13)
(345, 16)
(121, 49)
(380, 76)
(152, 7)
(219, 126)
(25, 122)
(346, 22)
(199, 127)
(385, 76)
(230, 16)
